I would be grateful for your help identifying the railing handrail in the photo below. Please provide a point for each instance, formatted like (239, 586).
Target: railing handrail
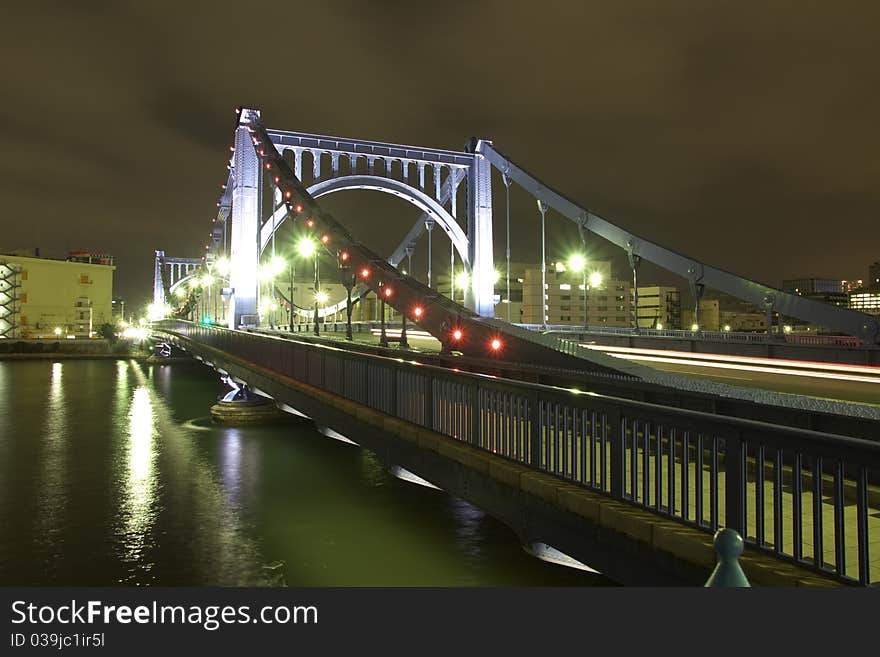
(737, 423)
(704, 335)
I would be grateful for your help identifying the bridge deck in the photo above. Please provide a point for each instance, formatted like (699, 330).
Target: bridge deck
(820, 385)
(722, 471)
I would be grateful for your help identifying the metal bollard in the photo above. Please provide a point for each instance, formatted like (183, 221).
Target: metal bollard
(728, 572)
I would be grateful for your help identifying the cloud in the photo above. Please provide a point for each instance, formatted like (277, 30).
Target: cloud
(744, 135)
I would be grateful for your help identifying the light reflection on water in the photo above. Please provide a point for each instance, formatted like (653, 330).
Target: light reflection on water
(137, 508)
(108, 477)
(52, 500)
(231, 466)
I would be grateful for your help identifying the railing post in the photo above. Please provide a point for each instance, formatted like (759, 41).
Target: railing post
(535, 438)
(476, 413)
(728, 572)
(734, 483)
(394, 380)
(428, 392)
(618, 460)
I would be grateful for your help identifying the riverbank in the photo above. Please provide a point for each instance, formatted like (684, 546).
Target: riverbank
(70, 349)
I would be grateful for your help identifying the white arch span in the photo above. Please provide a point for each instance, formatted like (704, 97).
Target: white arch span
(408, 193)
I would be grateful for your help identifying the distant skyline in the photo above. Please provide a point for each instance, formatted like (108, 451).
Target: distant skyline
(741, 134)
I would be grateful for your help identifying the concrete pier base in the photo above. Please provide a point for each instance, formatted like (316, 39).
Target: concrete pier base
(247, 412)
(242, 407)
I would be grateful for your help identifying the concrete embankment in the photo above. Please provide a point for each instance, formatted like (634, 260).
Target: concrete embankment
(69, 349)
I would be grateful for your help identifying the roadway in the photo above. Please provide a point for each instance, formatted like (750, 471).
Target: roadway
(848, 383)
(841, 382)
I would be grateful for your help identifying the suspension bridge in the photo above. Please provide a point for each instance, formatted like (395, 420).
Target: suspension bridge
(593, 455)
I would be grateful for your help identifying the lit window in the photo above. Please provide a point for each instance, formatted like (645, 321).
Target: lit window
(564, 286)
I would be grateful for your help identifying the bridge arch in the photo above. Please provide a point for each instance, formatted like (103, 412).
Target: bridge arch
(183, 281)
(397, 188)
(414, 196)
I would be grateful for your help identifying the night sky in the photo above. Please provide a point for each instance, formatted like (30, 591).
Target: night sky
(742, 133)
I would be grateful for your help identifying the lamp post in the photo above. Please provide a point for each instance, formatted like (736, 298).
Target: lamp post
(290, 292)
(507, 208)
(320, 297)
(268, 272)
(578, 263)
(211, 300)
(461, 281)
(317, 292)
(542, 208)
(306, 248)
(383, 337)
(595, 280)
(429, 226)
(349, 282)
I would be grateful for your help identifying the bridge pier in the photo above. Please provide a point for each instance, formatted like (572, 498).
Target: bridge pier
(244, 247)
(240, 406)
(481, 288)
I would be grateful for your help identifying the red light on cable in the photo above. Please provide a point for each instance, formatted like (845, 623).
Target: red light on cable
(298, 207)
(365, 273)
(457, 335)
(288, 194)
(343, 256)
(268, 165)
(309, 222)
(495, 344)
(277, 180)
(388, 292)
(417, 312)
(325, 238)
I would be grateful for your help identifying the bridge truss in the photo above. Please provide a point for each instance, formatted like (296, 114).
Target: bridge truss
(433, 181)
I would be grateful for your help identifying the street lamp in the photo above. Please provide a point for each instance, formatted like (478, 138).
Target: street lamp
(267, 274)
(207, 282)
(542, 208)
(306, 248)
(320, 299)
(461, 281)
(578, 263)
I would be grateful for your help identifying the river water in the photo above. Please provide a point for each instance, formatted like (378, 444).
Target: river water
(112, 474)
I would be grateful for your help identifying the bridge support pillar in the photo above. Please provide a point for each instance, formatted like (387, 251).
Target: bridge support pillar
(479, 296)
(244, 239)
(158, 281)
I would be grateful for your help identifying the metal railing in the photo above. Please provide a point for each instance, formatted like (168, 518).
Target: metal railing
(805, 496)
(719, 336)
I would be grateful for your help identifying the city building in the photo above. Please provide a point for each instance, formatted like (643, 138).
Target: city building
(826, 290)
(744, 322)
(865, 297)
(46, 298)
(608, 301)
(710, 316)
(90, 258)
(659, 307)
(865, 300)
(874, 276)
